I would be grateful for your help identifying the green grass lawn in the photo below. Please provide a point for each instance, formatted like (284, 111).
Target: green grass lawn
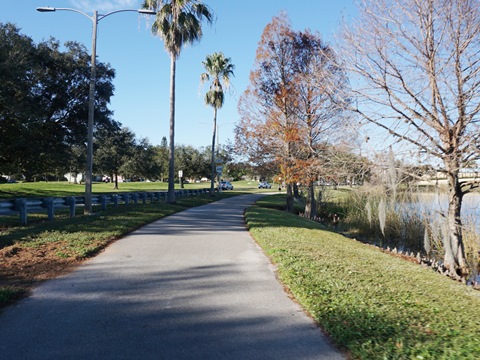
(60, 189)
(372, 304)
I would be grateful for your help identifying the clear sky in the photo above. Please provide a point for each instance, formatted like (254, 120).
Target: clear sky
(141, 99)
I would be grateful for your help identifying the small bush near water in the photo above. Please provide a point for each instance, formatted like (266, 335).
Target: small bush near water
(374, 305)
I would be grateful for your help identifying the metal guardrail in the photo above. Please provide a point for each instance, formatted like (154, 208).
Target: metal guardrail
(24, 206)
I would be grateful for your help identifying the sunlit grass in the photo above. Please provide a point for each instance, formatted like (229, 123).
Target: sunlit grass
(63, 188)
(372, 304)
(59, 189)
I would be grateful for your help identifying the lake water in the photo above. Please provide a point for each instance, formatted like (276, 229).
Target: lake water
(435, 203)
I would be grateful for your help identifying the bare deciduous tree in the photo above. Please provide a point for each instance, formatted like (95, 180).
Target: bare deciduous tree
(268, 125)
(323, 122)
(287, 113)
(416, 65)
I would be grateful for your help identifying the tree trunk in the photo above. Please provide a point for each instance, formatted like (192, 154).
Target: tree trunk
(310, 204)
(214, 132)
(296, 193)
(28, 177)
(289, 207)
(171, 160)
(454, 259)
(115, 187)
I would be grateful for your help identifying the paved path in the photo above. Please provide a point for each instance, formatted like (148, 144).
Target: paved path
(191, 286)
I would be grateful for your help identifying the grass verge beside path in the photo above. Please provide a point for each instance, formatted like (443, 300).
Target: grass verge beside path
(45, 250)
(372, 304)
(63, 188)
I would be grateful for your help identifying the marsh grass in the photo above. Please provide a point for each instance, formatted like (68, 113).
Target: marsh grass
(373, 305)
(471, 240)
(376, 219)
(402, 224)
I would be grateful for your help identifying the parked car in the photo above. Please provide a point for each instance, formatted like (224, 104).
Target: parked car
(226, 185)
(264, 185)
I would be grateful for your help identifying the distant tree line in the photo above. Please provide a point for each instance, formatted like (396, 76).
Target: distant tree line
(44, 105)
(43, 113)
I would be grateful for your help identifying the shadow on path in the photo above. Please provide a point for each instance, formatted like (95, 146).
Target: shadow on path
(191, 286)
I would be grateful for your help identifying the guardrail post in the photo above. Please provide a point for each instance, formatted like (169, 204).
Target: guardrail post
(103, 201)
(48, 203)
(71, 202)
(21, 207)
(95, 200)
(115, 200)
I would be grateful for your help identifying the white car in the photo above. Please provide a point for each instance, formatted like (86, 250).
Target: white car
(226, 185)
(264, 185)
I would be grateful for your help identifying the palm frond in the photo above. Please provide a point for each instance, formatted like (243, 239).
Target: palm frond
(179, 22)
(218, 68)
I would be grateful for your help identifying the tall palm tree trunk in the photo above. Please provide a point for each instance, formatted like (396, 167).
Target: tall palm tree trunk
(171, 160)
(212, 181)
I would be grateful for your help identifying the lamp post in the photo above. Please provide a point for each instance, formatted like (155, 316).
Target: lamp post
(91, 95)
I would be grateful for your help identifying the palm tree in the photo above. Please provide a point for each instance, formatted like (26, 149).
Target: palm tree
(218, 68)
(178, 23)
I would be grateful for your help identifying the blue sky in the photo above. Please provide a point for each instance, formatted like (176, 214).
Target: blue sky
(141, 100)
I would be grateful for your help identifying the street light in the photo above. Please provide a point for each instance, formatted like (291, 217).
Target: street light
(91, 96)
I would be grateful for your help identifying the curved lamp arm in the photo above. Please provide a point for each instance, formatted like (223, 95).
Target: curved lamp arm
(100, 17)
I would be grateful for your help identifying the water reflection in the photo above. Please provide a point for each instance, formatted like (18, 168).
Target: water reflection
(436, 203)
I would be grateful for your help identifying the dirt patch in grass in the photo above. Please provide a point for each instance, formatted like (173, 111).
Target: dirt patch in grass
(22, 268)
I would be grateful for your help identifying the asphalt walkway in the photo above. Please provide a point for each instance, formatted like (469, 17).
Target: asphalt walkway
(191, 286)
